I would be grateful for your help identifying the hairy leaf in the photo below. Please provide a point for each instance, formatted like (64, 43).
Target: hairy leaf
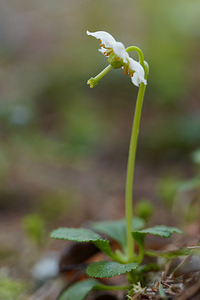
(161, 230)
(83, 235)
(117, 229)
(139, 237)
(108, 269)
(104, 246)
(79, 290)
(75, 234)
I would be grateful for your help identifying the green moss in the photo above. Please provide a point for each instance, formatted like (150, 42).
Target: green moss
(12, 289)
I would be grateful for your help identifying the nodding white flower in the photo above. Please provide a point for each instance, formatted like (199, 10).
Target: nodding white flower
(109, 45)
(118, 57)
(135, 71)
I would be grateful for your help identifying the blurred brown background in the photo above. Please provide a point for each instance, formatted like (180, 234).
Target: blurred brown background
(64, 146)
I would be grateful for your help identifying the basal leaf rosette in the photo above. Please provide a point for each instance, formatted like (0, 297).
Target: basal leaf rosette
(116, 229)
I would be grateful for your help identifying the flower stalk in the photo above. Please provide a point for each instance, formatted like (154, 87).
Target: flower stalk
(130, 171)
(132, 156)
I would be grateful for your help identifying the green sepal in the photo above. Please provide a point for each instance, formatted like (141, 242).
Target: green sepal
(117, 229)
(109, 269)
(79, 290)
(115, 61)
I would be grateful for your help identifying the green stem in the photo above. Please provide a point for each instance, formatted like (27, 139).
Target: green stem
(111, 287)
(130, 171)
(139, 52)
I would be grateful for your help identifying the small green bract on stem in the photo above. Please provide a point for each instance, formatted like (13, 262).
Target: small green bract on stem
(128, 230)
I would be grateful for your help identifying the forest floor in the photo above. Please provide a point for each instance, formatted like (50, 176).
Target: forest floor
(31, 269)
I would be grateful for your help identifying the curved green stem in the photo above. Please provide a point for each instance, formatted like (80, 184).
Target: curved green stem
(130, 171)
(139, 52)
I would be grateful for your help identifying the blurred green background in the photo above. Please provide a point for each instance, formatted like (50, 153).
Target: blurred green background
(64, 145)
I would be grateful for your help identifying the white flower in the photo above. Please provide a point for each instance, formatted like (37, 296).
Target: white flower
(137, 72)
(109, 45)
(118, 57)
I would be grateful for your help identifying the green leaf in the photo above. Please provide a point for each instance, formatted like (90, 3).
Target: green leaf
(147, 268)
(175, 253)
(79, 290)
(161, 230)
(83, 235)
(117, 229)
(139, 237)
(75, 234)
(104, 246)
(108, 269)
(162, 292)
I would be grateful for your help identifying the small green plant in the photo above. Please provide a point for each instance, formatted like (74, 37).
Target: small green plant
(130, 230)
(144, 209)
(34, 227)
(11, 289)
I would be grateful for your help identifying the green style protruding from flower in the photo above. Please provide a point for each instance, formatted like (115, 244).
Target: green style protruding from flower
(94, 80)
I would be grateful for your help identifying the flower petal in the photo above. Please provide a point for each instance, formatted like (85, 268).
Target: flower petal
(138, 76)
(119, 50)
(106, 38)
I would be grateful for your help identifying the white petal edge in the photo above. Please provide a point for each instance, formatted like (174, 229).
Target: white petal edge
(139, 74)
(106, 38)
(120, 51)
(136, 80)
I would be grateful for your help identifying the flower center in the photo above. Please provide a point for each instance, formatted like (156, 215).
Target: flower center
(128, 71)
(115, 61)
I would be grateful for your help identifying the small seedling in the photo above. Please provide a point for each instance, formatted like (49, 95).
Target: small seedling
(129, 230)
